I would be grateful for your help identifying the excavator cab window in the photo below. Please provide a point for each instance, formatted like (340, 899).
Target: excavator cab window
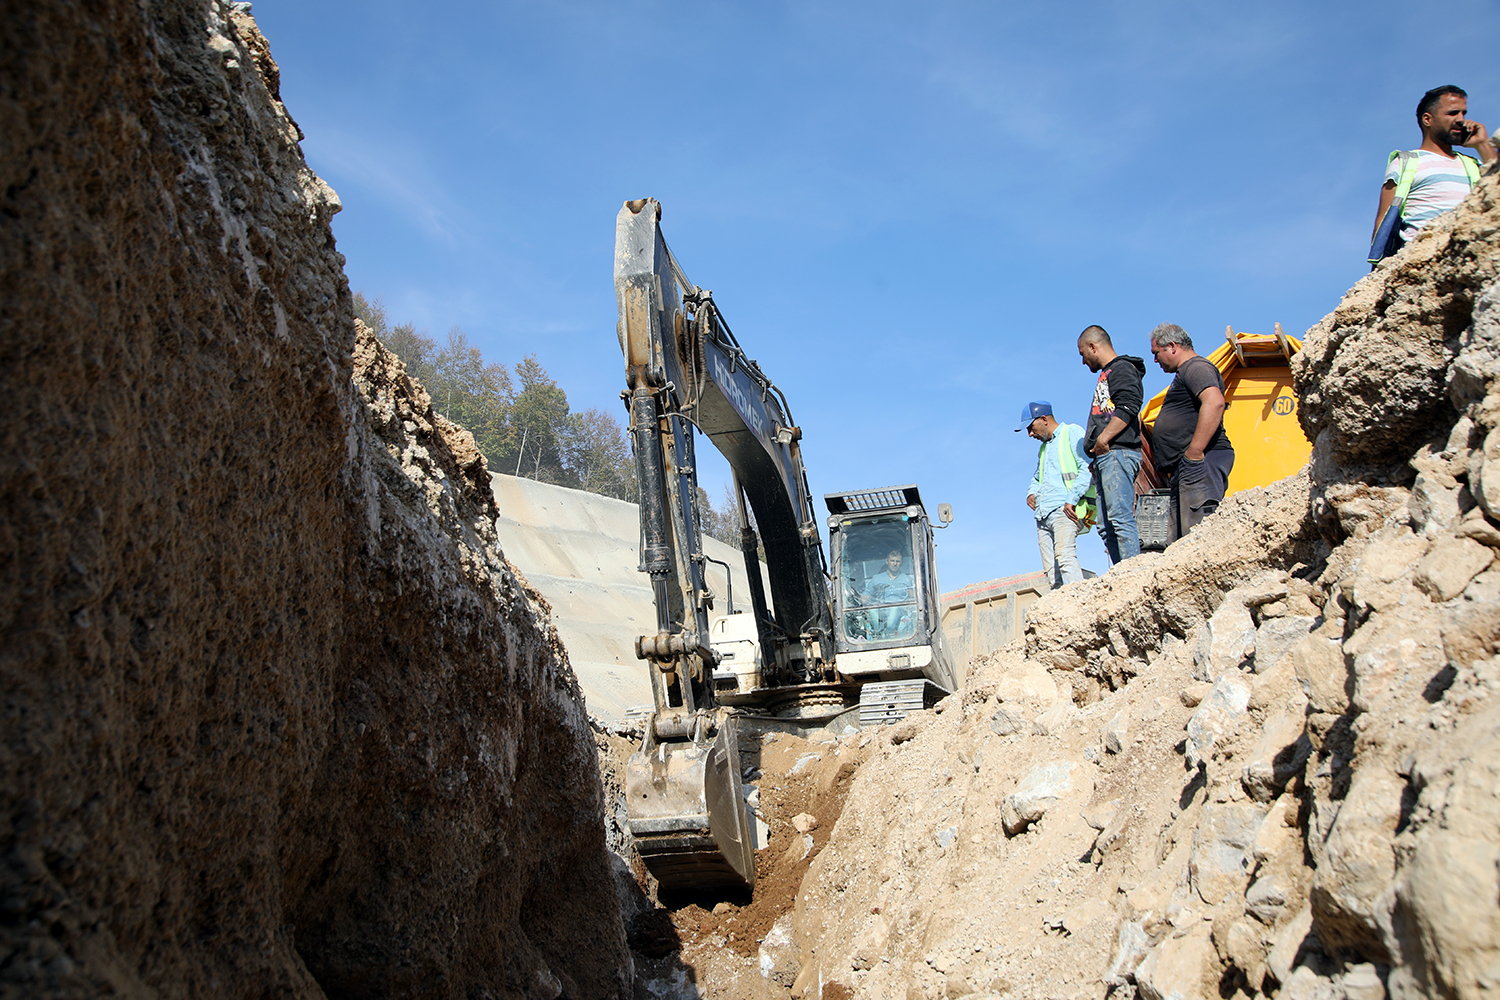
(879, 580)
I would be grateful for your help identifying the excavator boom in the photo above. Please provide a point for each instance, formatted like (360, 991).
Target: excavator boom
(685, 372)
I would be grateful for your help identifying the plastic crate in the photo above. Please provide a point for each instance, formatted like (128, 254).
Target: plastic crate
(1153, 517)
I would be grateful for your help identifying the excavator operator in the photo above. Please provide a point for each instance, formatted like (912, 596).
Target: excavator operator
(888, 588)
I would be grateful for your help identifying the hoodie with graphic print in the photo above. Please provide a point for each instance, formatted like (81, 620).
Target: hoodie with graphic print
(1118, 393)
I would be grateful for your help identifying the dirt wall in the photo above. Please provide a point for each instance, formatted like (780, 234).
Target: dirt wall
(278, 716)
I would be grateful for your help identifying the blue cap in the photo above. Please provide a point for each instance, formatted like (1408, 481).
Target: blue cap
(1029, 413)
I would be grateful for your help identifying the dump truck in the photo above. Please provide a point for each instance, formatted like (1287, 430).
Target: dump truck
(860, 638)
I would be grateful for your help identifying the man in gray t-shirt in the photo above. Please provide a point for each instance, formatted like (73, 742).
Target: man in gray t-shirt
(1188, 441)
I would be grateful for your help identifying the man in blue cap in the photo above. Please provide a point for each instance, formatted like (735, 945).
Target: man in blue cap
(1056, 489)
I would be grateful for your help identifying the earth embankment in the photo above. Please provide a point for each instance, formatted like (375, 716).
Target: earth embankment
(279, 717)
(1259, 764)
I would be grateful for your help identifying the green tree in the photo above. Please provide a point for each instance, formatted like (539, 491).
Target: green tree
(597, 453)
(472, 393)
(373, 314)
(491, 426)
(416, 351)
(539, 419)
(530, 432)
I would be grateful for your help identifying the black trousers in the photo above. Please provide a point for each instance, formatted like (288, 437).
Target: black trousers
(1197, 488)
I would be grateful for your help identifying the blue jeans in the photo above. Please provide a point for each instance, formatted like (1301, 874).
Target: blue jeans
(1057, 537)
(1114, 474)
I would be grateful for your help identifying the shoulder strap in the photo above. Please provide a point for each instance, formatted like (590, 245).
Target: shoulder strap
(1066, 460)
(1408, 167)
(1471, 168)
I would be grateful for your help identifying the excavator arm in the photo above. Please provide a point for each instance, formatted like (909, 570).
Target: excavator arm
(681, 356)
(684, 370)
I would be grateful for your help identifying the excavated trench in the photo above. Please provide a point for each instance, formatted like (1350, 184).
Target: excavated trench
(282, 717)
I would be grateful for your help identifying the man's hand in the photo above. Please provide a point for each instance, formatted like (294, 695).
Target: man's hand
(1191, 457)
(1031, 501)
(1107, 435)
(1072, 514)
(1479, 140)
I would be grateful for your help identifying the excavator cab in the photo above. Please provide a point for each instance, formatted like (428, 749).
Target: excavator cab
(876, 570)
(886, 597)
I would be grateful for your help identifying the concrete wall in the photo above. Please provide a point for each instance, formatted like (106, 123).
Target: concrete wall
(581, 551)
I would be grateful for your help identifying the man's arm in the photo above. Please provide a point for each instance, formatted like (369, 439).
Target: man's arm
(1210, 416)
(1083, 480)
(1387, 195)
(1126, 392)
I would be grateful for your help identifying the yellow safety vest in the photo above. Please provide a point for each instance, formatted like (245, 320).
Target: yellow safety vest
(1068, 462)
(1409, 173)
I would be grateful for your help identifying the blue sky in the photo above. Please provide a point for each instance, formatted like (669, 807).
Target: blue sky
(907, 212)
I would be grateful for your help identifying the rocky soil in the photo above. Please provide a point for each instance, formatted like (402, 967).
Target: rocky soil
(279, 719)
(1262, 763)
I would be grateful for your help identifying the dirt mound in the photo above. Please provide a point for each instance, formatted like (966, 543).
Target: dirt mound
(279, 718)
(1260, 763)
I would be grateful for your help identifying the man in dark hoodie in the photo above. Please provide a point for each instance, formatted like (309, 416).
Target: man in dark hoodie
(1113, 437)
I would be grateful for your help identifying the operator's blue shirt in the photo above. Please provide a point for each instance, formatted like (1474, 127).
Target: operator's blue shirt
(886, 589)
(1051, 490)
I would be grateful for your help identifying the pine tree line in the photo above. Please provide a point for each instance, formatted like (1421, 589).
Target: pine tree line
(521, 420)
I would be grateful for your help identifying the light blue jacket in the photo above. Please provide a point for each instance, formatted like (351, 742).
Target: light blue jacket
(1051, 490)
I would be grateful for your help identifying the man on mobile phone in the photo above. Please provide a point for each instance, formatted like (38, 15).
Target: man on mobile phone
(1435, 176)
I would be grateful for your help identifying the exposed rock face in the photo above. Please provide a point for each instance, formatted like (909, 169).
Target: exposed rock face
(279, 718)
(1282, 734)
(1377, 378)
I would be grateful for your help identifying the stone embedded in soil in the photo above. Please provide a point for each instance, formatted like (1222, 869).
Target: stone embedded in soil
(1116, 733)
(1448, 567)
(1007, 721)
(1276, 636)
(1218, 715)
(1038, 791)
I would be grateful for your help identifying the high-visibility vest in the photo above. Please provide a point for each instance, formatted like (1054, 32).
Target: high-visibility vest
(1068, 462)
(1409, 173)
(1387, 238)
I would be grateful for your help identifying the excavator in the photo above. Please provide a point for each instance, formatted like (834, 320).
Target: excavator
(864, 638)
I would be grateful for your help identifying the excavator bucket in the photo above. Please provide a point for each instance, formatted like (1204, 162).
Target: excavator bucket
(687, 813)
